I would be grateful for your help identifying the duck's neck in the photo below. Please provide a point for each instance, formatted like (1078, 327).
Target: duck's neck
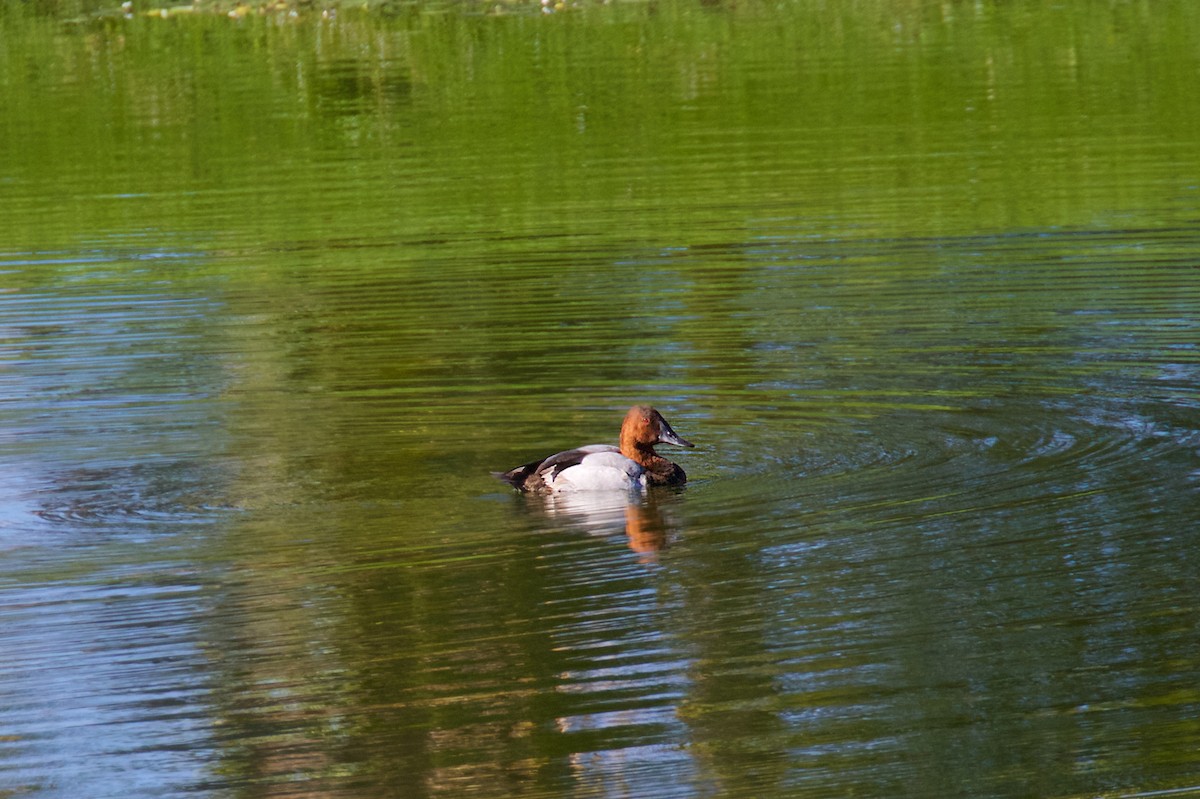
(644, 454)
(659, 470)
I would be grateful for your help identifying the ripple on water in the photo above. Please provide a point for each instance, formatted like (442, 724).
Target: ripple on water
(169, 491)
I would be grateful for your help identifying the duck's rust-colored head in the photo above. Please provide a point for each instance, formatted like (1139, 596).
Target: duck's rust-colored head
(645, 427)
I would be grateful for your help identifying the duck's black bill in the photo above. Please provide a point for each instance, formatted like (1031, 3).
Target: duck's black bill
(668, 436)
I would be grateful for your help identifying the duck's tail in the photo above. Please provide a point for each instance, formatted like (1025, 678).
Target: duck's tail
(517, 477)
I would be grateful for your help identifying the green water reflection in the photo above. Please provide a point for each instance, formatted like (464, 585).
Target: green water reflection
(280, 292)
(885, 119)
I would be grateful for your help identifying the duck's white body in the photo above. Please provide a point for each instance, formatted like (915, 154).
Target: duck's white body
(596, 467)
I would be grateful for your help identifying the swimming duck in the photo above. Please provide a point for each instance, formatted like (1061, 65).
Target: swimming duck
(603, 467)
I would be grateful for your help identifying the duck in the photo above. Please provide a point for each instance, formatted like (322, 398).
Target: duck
(602, 467)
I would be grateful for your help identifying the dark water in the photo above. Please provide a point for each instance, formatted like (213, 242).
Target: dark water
(279, 293)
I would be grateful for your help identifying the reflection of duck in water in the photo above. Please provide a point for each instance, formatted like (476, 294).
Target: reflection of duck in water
(603, 467)
(640, 516)
(645, 527)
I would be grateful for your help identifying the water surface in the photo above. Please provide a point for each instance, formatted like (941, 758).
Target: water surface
(281, 292)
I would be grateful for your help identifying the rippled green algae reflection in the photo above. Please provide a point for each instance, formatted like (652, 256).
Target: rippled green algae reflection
(280, 292)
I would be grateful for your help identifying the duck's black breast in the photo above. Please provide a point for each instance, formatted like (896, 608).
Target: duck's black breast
(665, 473)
